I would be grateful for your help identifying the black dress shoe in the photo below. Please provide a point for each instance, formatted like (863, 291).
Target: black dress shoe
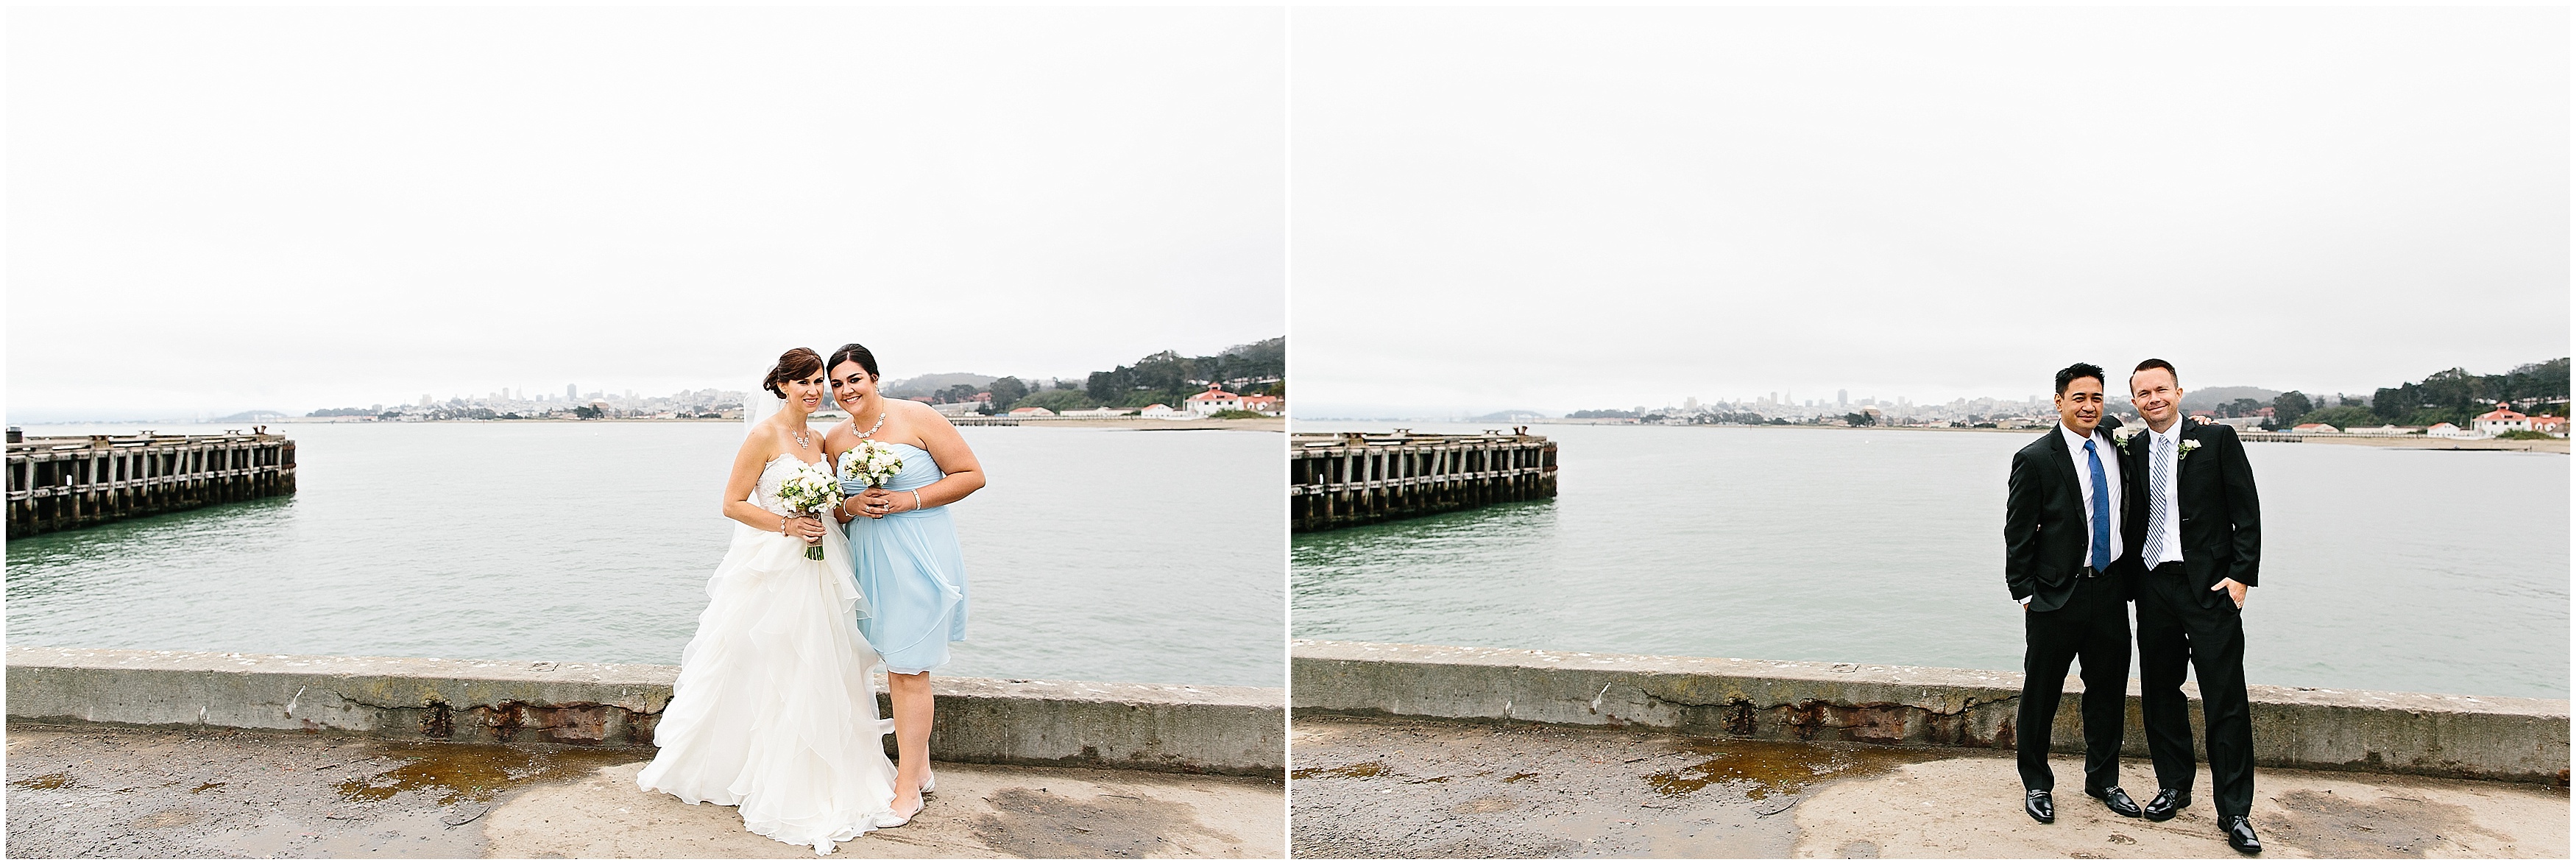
(2167, 803)
(2040, 806)
(2117, 798)
(2240, 834)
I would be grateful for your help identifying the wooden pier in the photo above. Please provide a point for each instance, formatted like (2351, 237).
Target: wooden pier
(1348, 479)
(65, 482)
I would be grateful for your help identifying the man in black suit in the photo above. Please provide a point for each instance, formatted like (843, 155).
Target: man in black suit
(2200, 542)
(2064, 561)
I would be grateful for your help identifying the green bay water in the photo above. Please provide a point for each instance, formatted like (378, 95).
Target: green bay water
(2383, 568)
(1097, 555)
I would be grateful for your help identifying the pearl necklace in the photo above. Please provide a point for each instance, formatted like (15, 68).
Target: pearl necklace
(854, 425)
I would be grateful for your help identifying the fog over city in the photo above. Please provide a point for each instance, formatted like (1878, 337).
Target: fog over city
(216, 210)
(1553, 209)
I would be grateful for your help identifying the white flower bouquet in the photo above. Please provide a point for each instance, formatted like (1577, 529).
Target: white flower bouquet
(871, 464)
(810, 490)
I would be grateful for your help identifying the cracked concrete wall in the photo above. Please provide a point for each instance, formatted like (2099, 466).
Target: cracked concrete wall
(2495, 738)
(1207, 729)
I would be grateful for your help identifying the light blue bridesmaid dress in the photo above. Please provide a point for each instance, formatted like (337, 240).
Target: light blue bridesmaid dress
(909, 567)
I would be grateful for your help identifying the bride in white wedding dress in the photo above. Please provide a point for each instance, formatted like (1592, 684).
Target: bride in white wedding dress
(774, 710)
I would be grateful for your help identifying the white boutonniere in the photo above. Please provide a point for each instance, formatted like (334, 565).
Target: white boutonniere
(2188, 445)
(2120, 437)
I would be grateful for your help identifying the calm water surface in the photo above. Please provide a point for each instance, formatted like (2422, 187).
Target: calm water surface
(2391, 569)
(1088, 554)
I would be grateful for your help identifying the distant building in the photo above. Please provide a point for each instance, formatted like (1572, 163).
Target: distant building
(1038, 411)
(2549, 423)
(1213, 400)
(1162, 411)
(1263, 403)
(2382, 430)
(959, 409)
(2448, 430)
(2504, 419)
(2316, 428)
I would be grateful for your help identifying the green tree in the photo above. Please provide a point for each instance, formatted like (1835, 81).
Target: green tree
(1859, 418)
(2289, 408)
(2343, 417)
(1007, 390)
(1166, 377)
(1058, 401)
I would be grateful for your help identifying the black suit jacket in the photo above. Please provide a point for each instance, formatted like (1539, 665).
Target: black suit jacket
(2044, 533)
(2222, 523)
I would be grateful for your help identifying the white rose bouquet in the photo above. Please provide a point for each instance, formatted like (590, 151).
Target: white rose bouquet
(871, 464)
(810, 490)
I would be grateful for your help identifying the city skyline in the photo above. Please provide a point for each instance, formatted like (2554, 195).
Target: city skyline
(571, 393)
(1325, 409)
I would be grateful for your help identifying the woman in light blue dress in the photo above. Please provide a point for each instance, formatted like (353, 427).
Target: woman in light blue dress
(903, 548)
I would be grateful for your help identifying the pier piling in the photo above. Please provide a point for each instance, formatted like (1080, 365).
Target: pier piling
(65, 482)
(1348, 479)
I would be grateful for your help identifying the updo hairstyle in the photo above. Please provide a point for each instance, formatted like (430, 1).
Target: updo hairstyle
(854, 352)
(795, 364)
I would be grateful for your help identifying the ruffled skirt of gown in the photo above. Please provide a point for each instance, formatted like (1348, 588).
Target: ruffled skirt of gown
(774, 710)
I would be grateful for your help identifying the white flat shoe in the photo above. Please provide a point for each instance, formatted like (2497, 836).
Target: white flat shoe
(891, 820)
(929, 782)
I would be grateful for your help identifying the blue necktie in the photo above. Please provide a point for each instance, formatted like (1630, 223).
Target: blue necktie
(2101, 510)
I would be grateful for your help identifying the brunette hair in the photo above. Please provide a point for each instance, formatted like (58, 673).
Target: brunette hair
(795, 364)
(853, 352)
(2068, 376)
(2156, 363)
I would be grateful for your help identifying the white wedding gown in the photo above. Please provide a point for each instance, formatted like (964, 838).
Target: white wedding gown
(774, 710)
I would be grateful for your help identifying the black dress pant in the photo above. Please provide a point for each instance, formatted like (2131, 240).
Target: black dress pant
(2174, 629)
(2093, 626)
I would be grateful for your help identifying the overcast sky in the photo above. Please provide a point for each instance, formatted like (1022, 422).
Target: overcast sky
(1589, 208)
(217, 210)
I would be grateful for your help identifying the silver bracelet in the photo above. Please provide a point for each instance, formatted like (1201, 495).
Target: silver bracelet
(916, 500)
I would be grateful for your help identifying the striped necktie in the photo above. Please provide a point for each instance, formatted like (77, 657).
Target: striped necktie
(2159, 491)
(2101, 510)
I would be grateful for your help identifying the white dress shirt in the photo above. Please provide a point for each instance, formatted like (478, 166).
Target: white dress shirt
(2165, 447)
(2110, 456)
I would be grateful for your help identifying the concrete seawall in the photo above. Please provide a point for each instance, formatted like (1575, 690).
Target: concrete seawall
(1211, 729)
(2491, 738)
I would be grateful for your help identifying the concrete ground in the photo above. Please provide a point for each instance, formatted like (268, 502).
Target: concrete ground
(148, 793)
(1364, 788)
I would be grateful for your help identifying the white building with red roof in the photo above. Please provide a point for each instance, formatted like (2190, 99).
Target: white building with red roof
(1213, 400)
(2316, 428)
(2502, 420)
